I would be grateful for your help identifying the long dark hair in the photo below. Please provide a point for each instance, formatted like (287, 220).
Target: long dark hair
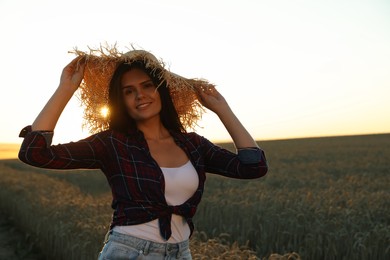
(120, 120)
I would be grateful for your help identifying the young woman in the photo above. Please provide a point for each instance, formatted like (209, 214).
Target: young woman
(156, 169)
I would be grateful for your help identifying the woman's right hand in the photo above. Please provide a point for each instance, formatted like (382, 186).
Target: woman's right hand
(73, 74)
(71, 78)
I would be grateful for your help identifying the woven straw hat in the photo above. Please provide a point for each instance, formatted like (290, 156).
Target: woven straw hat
(99, 69)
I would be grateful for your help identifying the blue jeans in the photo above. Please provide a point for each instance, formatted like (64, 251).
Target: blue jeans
(120, 246)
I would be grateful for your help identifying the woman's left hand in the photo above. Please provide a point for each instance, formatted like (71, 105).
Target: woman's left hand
(212, 99)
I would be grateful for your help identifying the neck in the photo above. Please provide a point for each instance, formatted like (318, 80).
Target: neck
(153, 131)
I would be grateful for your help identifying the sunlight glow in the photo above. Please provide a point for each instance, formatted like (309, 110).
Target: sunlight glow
(104, 111)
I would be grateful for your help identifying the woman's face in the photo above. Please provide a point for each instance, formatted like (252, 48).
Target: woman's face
(140, 95)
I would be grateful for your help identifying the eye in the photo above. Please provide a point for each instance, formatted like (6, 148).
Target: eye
(149, 85)
(127, 91)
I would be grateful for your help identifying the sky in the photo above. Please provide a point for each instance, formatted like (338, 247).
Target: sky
(288, 69)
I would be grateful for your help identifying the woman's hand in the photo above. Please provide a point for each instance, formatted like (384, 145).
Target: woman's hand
(71, 78)
(73, 74)
(212, 99)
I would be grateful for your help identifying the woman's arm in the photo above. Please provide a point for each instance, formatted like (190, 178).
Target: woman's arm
(251, 161)
(71, 77)
(36, 148)
(213, 100)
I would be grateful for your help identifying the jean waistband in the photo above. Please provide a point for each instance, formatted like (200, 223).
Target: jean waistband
(146, 246)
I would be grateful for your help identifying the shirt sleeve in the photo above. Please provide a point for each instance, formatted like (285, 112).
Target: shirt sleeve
(248, 163)
(37, 150)
(251, 155)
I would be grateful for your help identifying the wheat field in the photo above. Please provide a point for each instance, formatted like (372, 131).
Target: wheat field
(323, 198)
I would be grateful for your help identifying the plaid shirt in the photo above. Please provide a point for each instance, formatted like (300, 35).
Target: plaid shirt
(136, 180)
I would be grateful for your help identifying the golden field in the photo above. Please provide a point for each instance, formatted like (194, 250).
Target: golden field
(323, 198)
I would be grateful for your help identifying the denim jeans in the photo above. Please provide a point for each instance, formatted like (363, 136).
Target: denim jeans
(120, 246)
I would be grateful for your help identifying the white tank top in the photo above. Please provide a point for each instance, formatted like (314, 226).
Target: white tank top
(180, 184)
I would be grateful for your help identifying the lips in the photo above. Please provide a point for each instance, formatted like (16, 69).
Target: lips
(143, 105)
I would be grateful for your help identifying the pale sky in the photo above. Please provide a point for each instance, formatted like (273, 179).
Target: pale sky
(287, 68)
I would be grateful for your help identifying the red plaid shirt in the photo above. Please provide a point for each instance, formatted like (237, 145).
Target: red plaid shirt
(136, 180)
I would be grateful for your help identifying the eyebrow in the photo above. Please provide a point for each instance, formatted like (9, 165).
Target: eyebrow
(142, 83)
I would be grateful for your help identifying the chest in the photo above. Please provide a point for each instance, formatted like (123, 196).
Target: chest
(136, 172)
(167, 153)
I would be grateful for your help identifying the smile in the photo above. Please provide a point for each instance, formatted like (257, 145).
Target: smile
(143, 105)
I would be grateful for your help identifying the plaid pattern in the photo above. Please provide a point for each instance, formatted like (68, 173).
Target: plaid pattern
(136, 180)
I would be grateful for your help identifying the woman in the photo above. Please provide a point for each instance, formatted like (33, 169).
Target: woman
(156, 170)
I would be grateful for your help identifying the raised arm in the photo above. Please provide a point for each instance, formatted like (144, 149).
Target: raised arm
(214, 101)
(71, 77)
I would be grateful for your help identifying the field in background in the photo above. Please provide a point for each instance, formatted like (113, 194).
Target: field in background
(324, 198)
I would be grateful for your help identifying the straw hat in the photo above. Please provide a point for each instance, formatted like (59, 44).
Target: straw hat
(100, 66)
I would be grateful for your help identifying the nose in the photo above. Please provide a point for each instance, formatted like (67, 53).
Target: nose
(140, 94)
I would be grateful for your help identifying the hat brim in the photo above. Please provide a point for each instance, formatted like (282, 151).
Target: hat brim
(99, 69)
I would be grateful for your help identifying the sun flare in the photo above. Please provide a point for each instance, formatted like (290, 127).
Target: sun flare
(104, 111)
